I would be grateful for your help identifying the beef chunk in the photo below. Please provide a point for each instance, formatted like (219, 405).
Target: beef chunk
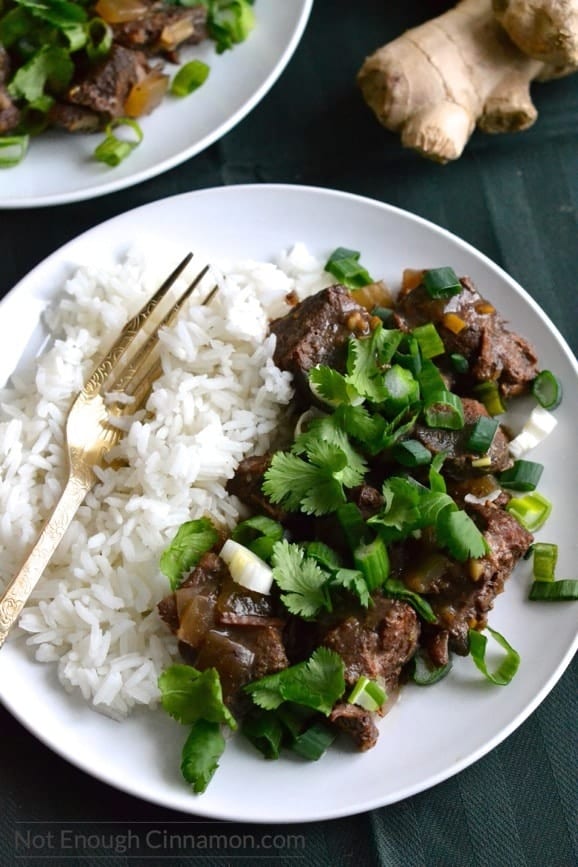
(463, 593)
(75, 118)
(317, 331)
(107, 84)
(9, 113)
(458, 463)
(164, 28)
(247, 484)
(376, 642)
(367, 498)
(356, 722)
(495, 352)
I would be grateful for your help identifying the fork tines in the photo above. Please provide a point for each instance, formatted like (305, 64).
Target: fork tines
(131, 363)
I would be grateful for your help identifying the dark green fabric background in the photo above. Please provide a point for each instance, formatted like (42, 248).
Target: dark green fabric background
(516, 199)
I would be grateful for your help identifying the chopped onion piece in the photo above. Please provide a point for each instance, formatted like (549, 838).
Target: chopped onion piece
(487, 498)
(246, 568)
(540, 424)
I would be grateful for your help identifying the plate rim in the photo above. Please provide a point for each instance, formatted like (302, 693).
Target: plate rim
(457, 765)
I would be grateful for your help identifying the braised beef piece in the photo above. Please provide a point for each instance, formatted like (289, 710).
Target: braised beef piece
(164, 29)
(367, 498)
(107, 84)
(458, 463)
(220, 624)
(461, 594)
(9, 113)
(247, 483)
(376, 642)
(317, 331)
(75, 118)
(495, 352)
(357, 723)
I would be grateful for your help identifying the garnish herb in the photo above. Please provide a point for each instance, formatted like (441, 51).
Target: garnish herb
(344, 265)
(547, 389)
(189, 78)
(192, 540)
(506, 670)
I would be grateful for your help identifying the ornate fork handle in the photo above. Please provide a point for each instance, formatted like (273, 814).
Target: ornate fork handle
(19, 589)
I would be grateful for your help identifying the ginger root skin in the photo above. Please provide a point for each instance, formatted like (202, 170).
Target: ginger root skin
(546, 30)
(435, 82)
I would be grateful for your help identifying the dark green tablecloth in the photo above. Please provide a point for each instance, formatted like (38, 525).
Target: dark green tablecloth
(516, 199)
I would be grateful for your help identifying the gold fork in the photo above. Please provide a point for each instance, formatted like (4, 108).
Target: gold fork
(130, 367)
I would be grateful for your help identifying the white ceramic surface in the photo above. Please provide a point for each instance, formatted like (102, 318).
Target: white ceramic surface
(430, 734)
(59, 168)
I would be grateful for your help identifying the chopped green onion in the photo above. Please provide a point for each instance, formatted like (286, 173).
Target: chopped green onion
(229, 22)
(430, 379)
(429, 340)
(489, 395)
(259, 534)
(99, 42)
(459, 362)
(411, 453)
(423, 673)
(189, 78)
(530, 511)
(368, 694)
(402, 389)
(350, 517)
(554, 591)
(14, 147)
(113, 150)
(397, 590)
(544, 558)
(547, 389)
(522, 476)
(445, 410)
(344, 265)
(482, 435)
(441, 282)
(484, 461)
(372, 560)
(506, 670)
(314, 741)
(384, 313)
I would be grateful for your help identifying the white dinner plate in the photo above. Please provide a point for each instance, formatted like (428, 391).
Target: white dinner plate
(431, 733)
(59, 167)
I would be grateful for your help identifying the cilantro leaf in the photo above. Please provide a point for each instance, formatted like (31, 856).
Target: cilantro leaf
(332, 387)
(458, 533)
(298, 484)
(201, 753)
(317, 683)
(189, 695)
(304, 582)
(400, 514)
(326, 443)
(397, 590)
(49, 66)
(353, 581)
(192, 540)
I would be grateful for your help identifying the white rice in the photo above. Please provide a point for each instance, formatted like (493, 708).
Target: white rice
(219, 398)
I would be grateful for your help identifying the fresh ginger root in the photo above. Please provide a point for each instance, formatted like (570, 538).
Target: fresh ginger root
(543, 29)
(437, 81)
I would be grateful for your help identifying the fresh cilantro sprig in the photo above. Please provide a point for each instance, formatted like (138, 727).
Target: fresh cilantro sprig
(317, 683)
(192, 540)
(195, 698)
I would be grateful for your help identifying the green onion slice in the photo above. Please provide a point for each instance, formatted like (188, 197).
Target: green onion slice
(482, 435)
(429, 340)
(99, 39)
(113, 150)
(189, 78)
(264, 730)
(430, 379)
(554, 591)
(489, 395)
(544, 558)
(344, 265)
(259, 534)
(355, 529)
(444, 409)
(397, 590)
(411, 453)
(441, 282)
(506, 670)
(368, 694)
(459, 362)
(531, 510)
(384, 313)
(314, 741)
(372, 560)
(522, 476)
(423, 673)
(13, 150)
(547, 389)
